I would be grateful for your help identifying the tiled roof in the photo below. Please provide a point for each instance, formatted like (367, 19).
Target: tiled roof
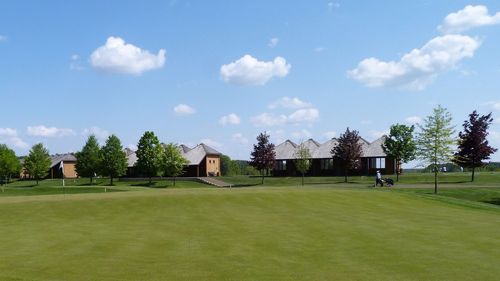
(193, 155)
(287, 149)
(56, 159)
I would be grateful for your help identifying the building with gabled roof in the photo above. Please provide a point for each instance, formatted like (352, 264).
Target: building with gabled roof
(204, 161)
(373, 158)
(61, 166)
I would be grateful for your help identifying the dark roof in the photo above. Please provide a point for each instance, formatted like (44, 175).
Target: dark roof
(56, 159)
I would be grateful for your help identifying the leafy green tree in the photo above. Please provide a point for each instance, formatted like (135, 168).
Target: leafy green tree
(473, 147)
(37, 163)
(87, 160)
(234, 168)
(400, 145)
(113, 160)
(303, 160)
(348, 151)
(229, 167)
(149, 155)
(263, 155)
(435, 139)
(9, 163)
(225, 162)
(173, 162)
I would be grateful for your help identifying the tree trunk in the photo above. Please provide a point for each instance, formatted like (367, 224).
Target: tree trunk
(174, 181)
(398, 169)
(262, 173)
(345, 175)
(435, 180)
(302, 179)
(473, 170)
(90, 180)
(111, 180)
(36, 181)
(150, 180)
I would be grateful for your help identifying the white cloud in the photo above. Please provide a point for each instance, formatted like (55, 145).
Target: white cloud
(99, 133)
(302, 134)
(250, 71)
(412, 120)
(132, 147)
(211, 143)
(305, 115)
(230, 119)
(9, 136)
(119, 57)
(378, 134)
(308, 115)
(75, 63)
(416, 69)
(8, 132)
(468, 18)
(496, 105)
(494, 138)
(3, 38)
(319, 49)
(333, 5)
(273, 42)
(268, 120)
(277, 136)
(184, 109)
(286, 102)
(330, 135)
(239, 138)
(49, 132)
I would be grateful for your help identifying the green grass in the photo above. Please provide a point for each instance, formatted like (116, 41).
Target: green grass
(73, 186)
(317, 232)
(482, 178)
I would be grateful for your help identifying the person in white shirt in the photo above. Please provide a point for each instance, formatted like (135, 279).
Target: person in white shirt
(378, 179)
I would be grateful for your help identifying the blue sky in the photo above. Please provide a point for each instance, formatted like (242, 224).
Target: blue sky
(220, 72)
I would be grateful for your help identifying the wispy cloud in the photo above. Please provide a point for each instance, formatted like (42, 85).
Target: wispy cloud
(184, 109)
(230, 119)
(49, 132)
(273, 42)
(10, 136)
(287, 102)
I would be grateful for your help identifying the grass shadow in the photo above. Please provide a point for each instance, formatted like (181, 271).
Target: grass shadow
(494, 201)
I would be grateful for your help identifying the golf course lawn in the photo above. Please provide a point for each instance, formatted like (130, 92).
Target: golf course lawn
(257, 233)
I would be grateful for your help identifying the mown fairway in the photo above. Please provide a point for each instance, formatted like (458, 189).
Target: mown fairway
(273, 233)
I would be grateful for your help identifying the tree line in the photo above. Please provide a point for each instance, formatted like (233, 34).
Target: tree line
(110, 160)
(433, 143)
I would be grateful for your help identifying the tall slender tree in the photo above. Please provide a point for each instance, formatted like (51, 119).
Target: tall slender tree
(87, 160)
(435, 140)
(348, 151)
(9, 163)
(173, 162)
(263, 155)
(149, 155)
(37, 163)
(400, 145)
(113, 160)
(302, 160)
(473, 147)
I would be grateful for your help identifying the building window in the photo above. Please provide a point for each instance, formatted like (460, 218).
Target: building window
(281, 165)
(377, 163)
(326, 164)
